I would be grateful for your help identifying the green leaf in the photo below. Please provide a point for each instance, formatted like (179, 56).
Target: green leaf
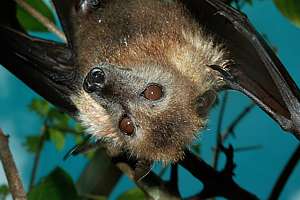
(4, 191)
(79, 129)
(54, 113)
(57, 137)
(290, 9)
(92, 197)
(59, 120)
(90, 154)
(29, 22)
(31, 144)
(196, 148)
(39, 106)
(78, 138)
(58, 185)
(250, 2)
(132, 194)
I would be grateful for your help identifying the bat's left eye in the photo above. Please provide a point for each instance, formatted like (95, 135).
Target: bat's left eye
(126, 125)
(153, 92)
(86, 6)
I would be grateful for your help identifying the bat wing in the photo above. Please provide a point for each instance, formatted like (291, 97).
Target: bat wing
(256, 70)
(64, 12)
(45, 66)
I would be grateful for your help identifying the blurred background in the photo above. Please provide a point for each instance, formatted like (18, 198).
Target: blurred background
(257, 168)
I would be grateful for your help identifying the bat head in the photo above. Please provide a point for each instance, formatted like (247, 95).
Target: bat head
(145, 85)
(150, 110)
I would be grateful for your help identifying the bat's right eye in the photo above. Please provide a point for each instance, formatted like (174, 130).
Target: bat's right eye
(87, 6)
(153, 92)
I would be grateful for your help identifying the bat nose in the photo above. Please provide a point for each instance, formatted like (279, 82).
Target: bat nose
(95, 80)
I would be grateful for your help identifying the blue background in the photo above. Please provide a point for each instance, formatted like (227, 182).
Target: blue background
(256, 170)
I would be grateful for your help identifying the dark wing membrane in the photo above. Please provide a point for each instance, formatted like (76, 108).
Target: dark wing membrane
(256, 71)
(8, 14)
(44, 66)
(64, 11)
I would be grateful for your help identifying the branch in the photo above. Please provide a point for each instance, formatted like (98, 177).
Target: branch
(43, 20)
(221, 137)
(38, 155)
(109, 168)
(285, 174)
(173, 182)
(152, 185)
(216, 183)
(10, 169)
(244, 148)
(236, 121)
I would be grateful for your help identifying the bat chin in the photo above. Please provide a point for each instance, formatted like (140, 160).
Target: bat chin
(164, 156)
(93, 116)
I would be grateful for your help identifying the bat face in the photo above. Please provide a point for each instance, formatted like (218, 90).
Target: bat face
(139, 86)
(149, 111)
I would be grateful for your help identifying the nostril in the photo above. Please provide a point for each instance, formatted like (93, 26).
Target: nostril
(95, 80)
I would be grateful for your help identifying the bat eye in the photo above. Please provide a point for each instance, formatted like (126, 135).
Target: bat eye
(94, 80)
(153, 92)
(86, 6)
(126, 126)
(205, 101)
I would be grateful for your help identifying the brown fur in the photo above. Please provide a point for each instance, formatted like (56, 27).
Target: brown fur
(159, 41)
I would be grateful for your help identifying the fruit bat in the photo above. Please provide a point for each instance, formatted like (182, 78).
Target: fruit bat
(143, 74)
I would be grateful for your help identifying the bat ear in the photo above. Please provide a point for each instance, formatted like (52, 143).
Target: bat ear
(256, 70)
(205, 101)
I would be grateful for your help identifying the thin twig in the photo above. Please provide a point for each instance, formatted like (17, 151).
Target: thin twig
(218, 136)
(285, 174)
(219, 128)
(42, 19)
(245, 148)
(236, 121)
(10, 169)
(222, 113)
(37, 156)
